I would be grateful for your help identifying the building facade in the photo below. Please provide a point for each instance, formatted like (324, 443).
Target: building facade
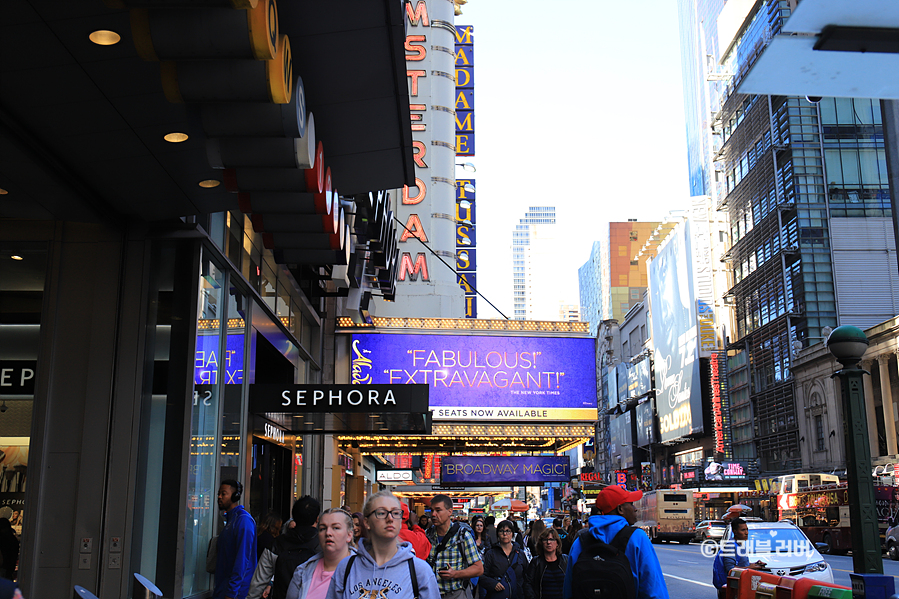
(820, 407)
(799, 181)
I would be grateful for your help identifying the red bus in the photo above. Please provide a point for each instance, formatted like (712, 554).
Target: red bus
(822, 512)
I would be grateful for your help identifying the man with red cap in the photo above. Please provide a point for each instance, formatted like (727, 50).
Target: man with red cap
(614, 526)
(415, 536)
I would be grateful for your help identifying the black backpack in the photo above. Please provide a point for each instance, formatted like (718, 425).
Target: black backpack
(602, 571)
(292, 552)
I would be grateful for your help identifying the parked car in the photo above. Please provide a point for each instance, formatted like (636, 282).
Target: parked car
(891, 540)
(785, 550)
(709, 530)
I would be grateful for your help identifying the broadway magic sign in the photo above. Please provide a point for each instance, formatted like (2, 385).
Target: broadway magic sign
(480, 377)
(503, 470)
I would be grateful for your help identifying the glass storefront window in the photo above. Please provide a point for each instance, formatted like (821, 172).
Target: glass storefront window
(210, 370)
(23, 269)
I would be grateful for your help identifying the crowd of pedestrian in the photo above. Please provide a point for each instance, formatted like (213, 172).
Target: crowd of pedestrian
(387, 551)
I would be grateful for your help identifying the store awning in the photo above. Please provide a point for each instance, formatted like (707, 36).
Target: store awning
(82, 125)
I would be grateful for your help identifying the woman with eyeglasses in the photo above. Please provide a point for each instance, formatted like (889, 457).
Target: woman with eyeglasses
(504, 565)
(382, 561)
(335, 536)
(545, 575)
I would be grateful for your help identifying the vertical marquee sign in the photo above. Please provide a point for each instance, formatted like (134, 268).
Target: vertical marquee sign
(466, 246)
(464, 90)
(426, 209)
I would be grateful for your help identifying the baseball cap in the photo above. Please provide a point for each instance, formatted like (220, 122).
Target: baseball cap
(405, 512)
(613, 496)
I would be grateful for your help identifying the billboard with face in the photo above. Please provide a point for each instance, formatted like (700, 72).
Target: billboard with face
(479, 377)
(679, 398)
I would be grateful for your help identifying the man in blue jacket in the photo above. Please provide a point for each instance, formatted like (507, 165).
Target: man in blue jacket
(235, 559)
(617, 508)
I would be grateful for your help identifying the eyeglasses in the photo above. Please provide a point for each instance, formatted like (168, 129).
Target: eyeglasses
(381, 514)
(549, 540)
(504, 531)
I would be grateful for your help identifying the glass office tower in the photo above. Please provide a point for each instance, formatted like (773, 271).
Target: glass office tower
(805, 187)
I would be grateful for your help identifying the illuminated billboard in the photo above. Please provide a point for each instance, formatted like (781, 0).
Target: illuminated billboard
(504, 470)
(479, 377)
(674, 335)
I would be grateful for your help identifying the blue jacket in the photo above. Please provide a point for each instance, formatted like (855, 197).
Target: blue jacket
(645, 566)
(235, 559)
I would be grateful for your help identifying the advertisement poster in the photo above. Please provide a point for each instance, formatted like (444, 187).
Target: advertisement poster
(13, 473)
(486, 378)
(679, 398)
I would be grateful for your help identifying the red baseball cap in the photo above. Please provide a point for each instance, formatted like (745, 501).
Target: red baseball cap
(405, 512)
(613, 496)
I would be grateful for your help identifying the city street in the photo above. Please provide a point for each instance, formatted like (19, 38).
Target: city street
(689, 574)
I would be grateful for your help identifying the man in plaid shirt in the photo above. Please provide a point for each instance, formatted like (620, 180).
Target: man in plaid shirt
(457, 560)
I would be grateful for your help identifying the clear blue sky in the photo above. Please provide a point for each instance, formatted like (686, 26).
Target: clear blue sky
(577, 105)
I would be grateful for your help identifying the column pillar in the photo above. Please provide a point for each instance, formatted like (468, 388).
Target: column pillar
(870, 411)
(889, 416)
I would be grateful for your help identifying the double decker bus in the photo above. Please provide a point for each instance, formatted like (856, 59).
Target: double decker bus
(666, 515)
(822, 512)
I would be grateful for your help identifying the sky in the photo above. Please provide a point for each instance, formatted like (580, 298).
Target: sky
(578, 105)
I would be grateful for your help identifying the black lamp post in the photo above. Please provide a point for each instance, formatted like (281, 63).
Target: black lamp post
(848, 345)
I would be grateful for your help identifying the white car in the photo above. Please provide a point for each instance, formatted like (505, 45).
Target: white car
(785, 550)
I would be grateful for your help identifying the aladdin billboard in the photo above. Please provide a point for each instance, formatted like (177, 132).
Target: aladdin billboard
(674, 335)
(478, 377)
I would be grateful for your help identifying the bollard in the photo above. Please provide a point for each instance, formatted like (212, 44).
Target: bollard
(83, 593)
(144, 589)
(872, 586)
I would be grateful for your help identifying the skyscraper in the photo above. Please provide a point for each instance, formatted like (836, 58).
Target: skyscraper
(612, 281)
(532, 240)
(805, 187)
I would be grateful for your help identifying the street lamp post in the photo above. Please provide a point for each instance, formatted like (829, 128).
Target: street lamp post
(848, 345)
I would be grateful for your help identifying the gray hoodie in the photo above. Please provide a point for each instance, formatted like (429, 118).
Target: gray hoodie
(368, 580)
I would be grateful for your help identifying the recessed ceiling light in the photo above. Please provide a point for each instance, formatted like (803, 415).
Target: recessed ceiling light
(105, 37)
(175, 137)
(17, 257)
(210, 183)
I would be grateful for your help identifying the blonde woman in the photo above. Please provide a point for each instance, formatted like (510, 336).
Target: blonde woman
(335, 536)
(382, 561)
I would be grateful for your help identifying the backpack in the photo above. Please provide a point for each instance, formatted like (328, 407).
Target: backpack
(416, 594)
(290, 555)
(602, 570)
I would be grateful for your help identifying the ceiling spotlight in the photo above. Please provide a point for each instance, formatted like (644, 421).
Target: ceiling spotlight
(16, 257)
(175, 137)
(209, 183)
(105, 37)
